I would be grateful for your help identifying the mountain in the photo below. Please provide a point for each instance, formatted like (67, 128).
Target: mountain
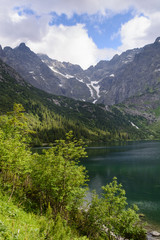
(33, 70)
(73, 80)
(52, 116)
(94, 77)
(109, 68)
(53, 77)
(62, 78)
(135, 77)
(109, 82)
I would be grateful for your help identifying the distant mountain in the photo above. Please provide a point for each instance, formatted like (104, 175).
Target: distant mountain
(52, 116)
(134, 78)
(73, 80)
(62, 78)
(31, 68)
(93, 78)
(146, 104)
(109, 82)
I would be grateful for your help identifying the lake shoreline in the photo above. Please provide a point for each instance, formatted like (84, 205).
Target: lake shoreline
(136, 164)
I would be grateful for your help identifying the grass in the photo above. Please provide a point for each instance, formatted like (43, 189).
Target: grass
(15, 223)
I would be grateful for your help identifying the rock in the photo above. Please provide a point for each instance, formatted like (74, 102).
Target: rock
(141, 215)
(155, 234)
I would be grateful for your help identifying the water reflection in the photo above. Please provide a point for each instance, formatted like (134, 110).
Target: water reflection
(137, 167)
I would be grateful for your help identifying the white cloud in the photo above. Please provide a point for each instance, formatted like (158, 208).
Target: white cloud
(139, 31)
(73, 43)
(87, 6)
(64, 43)
(17, 28)
(84, 6)
(71, 6)
(154, 30)
(134, 33)
(70, 44)
(146, 6)
(15, 18)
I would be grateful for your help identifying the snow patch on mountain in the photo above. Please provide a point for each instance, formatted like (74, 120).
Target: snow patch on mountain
(80, 80)
(35, 78)
(64, 75)
(112, 75)
(134, 125)
(157, 70)
(42, 77)
(96, 87)
(90, 89)
(95, 101)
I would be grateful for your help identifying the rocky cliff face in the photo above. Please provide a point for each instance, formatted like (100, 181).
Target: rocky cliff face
(93, 81)
(5, 71)
(137, 76)
(109, 82)
(31, 68)
(73, 80)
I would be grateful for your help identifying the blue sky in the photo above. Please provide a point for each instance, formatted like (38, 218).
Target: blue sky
(81, 32)
(103, 30)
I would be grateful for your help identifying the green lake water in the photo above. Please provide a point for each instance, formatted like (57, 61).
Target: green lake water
(136, 165)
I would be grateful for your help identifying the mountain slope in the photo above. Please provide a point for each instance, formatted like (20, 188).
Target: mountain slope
(33, 70)
(92, 78)
(74, 82)
(51, 116)
(43, 76)
(63, 78)
(135, 77)
(109, 82)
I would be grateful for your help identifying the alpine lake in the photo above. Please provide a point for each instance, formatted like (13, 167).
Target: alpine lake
(136, 166)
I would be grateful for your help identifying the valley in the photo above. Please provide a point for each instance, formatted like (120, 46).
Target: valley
(79, 120)
(60, 96)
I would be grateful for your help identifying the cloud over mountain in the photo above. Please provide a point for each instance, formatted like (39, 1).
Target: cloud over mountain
(29, 21)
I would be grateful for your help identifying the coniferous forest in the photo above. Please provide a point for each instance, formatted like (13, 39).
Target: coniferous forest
(51, 117)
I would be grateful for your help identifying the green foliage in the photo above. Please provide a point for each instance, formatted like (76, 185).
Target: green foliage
(17, 224)
(157, 111)
(57, 177)
(110, 215)
(14, 155)
(53, 186)
(62, 232)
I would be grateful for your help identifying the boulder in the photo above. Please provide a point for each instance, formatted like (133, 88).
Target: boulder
(155, 234)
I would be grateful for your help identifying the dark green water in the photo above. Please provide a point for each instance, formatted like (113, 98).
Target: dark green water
(137, 167)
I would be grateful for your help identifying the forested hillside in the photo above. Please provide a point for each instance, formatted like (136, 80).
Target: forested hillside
(52, 116)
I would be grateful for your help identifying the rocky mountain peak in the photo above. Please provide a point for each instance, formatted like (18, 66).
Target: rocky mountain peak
(1, 51)
(157, 40)
(109, 82)
(22, 47)
(7, 49)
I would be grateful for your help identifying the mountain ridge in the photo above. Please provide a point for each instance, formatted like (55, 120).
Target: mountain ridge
(52, 116)
(109, 82)
(61, 78)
